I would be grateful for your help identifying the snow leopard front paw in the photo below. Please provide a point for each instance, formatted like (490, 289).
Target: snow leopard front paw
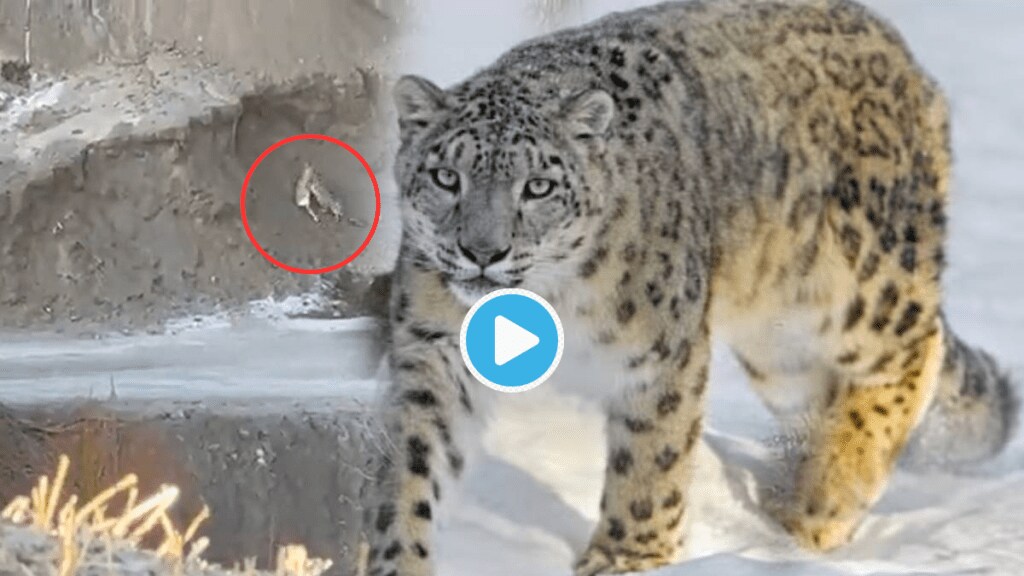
(593, 562)
(819, 532)
(599, 559)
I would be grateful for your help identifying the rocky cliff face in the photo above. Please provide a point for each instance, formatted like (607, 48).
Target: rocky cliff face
(122, 155)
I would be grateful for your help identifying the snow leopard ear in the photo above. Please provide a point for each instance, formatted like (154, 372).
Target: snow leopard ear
(419, 102)
(589, 114)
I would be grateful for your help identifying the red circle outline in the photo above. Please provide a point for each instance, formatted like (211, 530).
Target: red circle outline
(376, 213)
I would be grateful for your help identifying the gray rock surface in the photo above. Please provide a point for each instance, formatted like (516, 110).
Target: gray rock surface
(122, 161)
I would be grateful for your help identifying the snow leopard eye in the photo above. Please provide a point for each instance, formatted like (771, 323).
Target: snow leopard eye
(538, 188)
(446, 179)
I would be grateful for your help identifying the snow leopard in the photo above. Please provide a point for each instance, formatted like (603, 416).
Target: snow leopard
(773, 174)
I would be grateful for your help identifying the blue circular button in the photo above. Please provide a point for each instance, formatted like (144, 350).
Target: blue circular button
(512, 340)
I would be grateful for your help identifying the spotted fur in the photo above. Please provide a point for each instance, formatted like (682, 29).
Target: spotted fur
(773, 172)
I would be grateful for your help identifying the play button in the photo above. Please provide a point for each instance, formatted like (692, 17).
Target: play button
(511, 340)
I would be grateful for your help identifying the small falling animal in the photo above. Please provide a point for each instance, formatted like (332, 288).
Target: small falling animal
(311, 193)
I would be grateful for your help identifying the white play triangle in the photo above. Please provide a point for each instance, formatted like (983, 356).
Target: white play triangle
(511, 340)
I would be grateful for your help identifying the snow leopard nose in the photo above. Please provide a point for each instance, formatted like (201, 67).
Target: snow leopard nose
(484, 256)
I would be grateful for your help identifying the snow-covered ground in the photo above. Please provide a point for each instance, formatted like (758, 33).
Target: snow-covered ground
(265, 354)
(530, 505)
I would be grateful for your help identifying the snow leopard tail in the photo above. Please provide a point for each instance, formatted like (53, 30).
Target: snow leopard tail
(973, 414)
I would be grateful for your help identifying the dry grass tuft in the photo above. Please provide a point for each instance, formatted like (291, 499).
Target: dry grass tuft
(76, 528)
(294, 560)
